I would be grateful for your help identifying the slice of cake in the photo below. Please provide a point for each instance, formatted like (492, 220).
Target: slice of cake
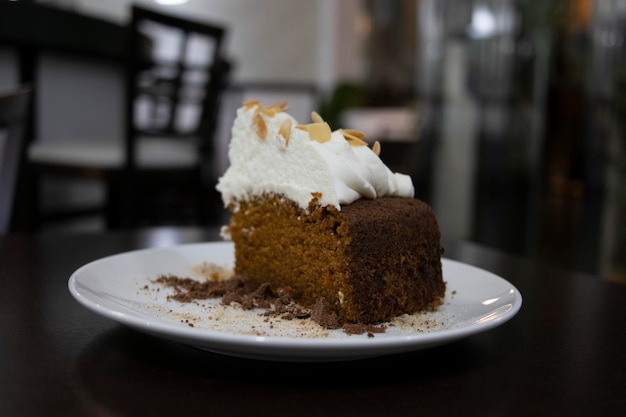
(318, 214)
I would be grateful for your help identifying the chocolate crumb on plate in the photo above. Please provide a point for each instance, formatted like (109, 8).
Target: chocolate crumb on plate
(277, 303)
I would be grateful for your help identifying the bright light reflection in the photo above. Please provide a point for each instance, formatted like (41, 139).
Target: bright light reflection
(170, 2)
(164, 237)
(483, 22)
(494, 315)
(490, 301)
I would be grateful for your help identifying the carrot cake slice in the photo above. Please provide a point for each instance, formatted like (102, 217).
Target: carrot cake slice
(317, 213)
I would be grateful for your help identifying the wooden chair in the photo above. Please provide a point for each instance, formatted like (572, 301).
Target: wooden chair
(162, 168)
(14, 107)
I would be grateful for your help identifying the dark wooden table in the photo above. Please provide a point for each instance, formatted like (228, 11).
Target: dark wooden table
(564, 354)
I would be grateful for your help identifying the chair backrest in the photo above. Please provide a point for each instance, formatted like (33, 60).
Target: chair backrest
(14, 106)
(176, 77)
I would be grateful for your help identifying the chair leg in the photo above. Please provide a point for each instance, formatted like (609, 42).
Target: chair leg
(118, 206)
(27, 213)
(209, 206)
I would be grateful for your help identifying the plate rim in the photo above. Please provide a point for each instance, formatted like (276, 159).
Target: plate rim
(288, 344)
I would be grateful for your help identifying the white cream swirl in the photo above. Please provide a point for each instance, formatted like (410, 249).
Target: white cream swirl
(301, 166)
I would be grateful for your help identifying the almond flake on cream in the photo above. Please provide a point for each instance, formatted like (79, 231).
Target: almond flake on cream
(299, 161)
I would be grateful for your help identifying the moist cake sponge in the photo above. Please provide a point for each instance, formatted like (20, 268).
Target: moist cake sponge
(370, 261)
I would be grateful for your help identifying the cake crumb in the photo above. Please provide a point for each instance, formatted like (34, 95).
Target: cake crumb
(213, 271)
(359, 328)
(323, 315)
(276, 307)
(235, 292)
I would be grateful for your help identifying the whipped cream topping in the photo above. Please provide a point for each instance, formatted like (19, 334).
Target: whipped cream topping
(271, 155)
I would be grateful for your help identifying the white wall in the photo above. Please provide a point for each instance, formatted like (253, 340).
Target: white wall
(78, 98)
(316, 41)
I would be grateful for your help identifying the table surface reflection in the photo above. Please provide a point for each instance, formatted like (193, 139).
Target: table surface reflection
(563, 354)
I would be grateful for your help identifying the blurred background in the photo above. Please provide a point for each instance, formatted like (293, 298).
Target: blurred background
(508, 114)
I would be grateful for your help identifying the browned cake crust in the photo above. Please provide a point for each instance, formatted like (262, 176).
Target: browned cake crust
(371, 261)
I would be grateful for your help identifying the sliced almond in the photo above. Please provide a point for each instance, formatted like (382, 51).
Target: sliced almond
(376, 148)
(269, 111)
(354, 133)
(356, 142)
(316, 117)
(272, 110)
(261, 127)
(285, 130)
(353, 140)
(250, 103)
(280, 107)
(319, 132)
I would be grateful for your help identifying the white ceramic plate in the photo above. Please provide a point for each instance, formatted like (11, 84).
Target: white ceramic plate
(122, 288)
